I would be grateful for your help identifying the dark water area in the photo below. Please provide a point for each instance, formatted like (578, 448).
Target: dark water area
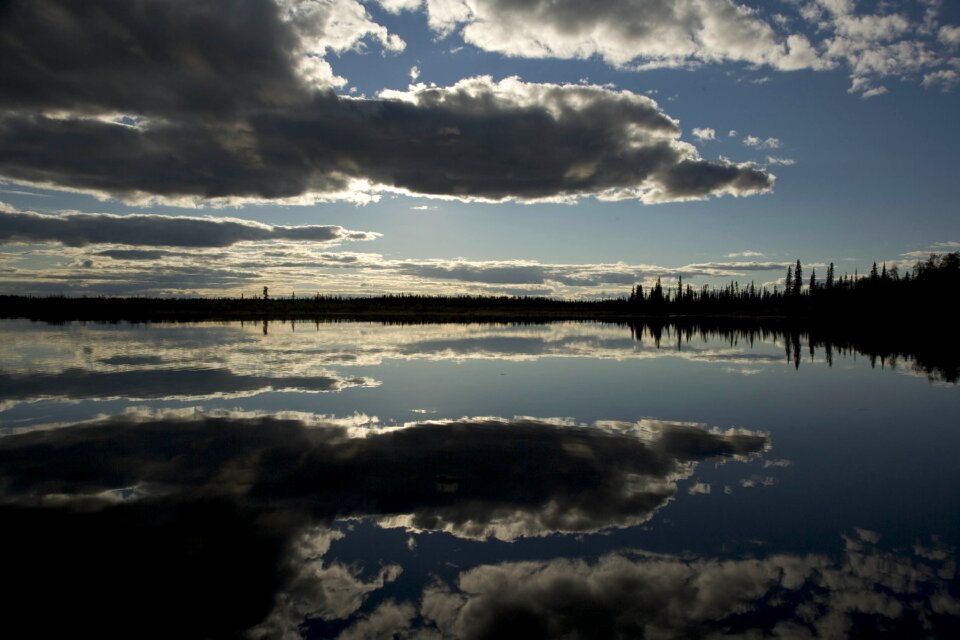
(363, 480)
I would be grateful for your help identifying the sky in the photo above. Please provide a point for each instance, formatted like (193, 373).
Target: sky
(539, 147)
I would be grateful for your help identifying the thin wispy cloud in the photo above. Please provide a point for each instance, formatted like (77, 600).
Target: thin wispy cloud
(746, 254)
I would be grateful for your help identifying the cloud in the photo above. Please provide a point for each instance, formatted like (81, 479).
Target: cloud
(739, 266)
(704, 134)
(946, 79)
(80, 229)
(871, 92)
(759, 143)
(624, 33)
(780, 161)
(478, 139)
(294, 265)
(214, 119)
(746, 254)
(156, 58)
(874, 46)
(137, 254)
(872, 43)
(950, 35)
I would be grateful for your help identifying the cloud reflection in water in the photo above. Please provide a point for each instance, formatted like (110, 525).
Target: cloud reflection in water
(240, 507)
(869, 592)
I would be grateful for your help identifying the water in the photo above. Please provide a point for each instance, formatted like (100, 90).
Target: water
(364, 480)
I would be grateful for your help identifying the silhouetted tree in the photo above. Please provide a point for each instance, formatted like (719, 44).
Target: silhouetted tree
(656, 296)
(797, 279)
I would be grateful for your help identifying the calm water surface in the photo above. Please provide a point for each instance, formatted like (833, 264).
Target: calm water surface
(561, 480)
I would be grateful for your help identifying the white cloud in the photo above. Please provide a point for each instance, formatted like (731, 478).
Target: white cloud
(759, 143)
(396, 6)
(624, 33)
(704, 134)
(946, 79)
(648, 34)
(335, 25)
(746, 254)
(779, 161)
(873, 92)
(950, 35)
(414, 73)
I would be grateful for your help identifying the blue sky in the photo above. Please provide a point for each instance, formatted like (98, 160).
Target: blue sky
(823, 130)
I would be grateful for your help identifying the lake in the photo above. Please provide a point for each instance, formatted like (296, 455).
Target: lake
(470, 480)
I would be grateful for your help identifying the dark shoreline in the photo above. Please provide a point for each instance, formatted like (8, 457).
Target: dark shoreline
(929, 340)
(374, 309)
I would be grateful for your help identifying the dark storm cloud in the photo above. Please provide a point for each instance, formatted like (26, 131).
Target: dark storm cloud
(80, 229)
(213, 108)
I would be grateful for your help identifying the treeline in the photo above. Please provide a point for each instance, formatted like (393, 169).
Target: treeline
(389, 308)
(930, 287)
(929, 291)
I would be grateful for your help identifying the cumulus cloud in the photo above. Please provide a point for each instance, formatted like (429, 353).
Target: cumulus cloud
(80, 229)
(887, 43)
(872, 43)
(157, 58)
(624, 33)
(950, 35)
(186, 119)
(704, 134)
(760, 143)
(946, 79)
(478, 139)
